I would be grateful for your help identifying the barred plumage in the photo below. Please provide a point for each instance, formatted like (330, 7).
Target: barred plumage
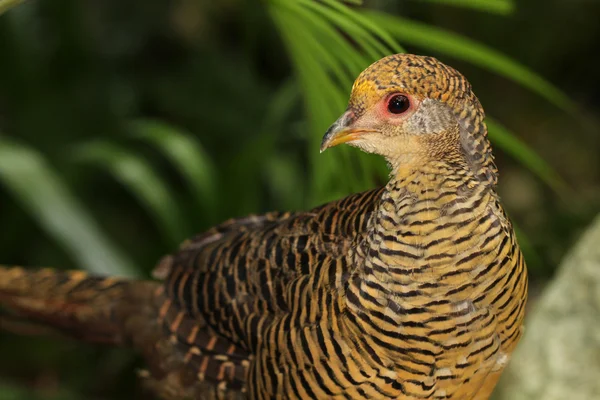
(412, 291)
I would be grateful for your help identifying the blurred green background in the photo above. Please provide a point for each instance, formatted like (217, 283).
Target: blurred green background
(128, 125)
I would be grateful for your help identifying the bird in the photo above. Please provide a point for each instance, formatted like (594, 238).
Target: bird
(413, 290)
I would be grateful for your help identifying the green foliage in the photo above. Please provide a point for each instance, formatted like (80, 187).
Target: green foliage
(457, 46)
(189, 157)
(28, 176)
(5, 5)
(325, 62)
(501, 7)
(326, 78)
(327, 75)
(139, 177)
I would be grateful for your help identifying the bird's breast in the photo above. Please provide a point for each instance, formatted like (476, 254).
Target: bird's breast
(439, 298)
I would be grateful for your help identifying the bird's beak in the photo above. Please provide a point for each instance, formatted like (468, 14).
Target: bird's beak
(340, 132)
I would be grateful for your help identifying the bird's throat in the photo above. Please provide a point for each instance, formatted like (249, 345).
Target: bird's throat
(427, 240)
(425, 211)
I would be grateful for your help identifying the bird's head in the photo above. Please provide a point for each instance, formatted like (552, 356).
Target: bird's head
(412, 109)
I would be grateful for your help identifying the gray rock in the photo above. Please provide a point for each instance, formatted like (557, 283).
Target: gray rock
(559, 356)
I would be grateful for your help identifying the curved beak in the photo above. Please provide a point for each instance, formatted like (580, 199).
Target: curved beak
(340, 132)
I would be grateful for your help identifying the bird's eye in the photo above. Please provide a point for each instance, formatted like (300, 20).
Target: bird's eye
(398, 104)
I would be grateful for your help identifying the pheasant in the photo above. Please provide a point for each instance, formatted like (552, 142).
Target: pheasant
(415, 290)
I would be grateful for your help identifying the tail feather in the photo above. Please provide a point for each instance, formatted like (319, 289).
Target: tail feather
(125, 312)
(22, 326)
(73, 303)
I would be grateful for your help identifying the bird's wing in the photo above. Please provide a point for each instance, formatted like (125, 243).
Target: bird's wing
(223, 283)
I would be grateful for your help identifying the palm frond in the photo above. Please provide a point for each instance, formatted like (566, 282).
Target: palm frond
(136, 174)
(460, 47)
(501, 7)
(326, 77)
(41, 191)
(338, 42)
(188, 156)
(6, 5)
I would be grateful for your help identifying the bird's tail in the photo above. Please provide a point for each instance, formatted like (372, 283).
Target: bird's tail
(73, 303)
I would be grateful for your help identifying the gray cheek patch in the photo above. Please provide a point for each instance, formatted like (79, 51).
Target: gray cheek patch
(432, 116)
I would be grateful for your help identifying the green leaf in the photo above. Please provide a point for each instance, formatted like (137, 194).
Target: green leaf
(353, 2)
(33, 182)
(284, 178)
(501, 7)
(508, 141)
(321, 95)
(139, 178)
(364, 21)
(324, 27)
(460, 47)
(189, 157)
(6, 5)
(281, 106)
(375, 33)
(366, 41)
(313, 27)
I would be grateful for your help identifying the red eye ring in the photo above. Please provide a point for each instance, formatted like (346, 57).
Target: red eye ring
(398, 104)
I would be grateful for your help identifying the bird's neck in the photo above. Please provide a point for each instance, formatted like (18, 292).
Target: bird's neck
(419, 201)
(430, 217)
(453, 151)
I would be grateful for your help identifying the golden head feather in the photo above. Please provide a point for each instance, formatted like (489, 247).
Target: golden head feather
(411, 109)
